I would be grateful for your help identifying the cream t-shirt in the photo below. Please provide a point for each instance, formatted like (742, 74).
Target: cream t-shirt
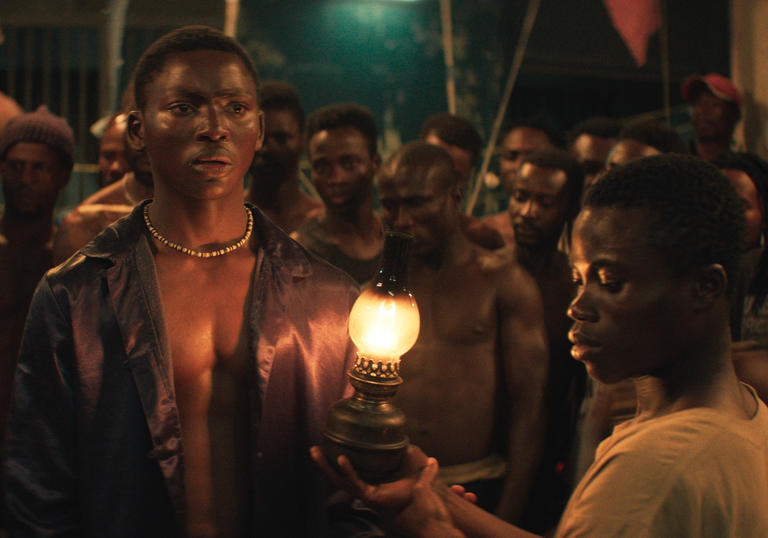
(693, 473)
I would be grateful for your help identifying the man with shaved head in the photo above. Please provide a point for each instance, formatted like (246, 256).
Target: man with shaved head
(479, 368)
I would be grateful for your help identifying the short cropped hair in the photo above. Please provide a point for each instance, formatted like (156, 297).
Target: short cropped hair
(555, 136)
(455, 130)
(279, 94)
(424, 156)
(345, 115)
(696, 216)
(596, 126)
(655, 134)
(757, 170)
(184, 39)
(558, 159)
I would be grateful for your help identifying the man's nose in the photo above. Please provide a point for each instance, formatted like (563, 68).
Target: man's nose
(214, 128)
(28, 175)
(528, 209)
(403, 219)
(115, 168)
(580, 309)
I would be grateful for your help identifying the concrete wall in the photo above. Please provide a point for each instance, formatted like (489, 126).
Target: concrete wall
(749, 68)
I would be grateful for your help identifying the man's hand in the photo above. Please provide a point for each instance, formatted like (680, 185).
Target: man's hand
(426, 516)
(395, 494)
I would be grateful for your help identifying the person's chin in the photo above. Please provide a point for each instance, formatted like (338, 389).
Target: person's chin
(602, 375)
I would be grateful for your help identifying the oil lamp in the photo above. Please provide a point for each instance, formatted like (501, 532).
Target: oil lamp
(383, 324)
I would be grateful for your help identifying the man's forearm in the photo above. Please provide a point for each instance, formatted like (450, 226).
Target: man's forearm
(474, 521)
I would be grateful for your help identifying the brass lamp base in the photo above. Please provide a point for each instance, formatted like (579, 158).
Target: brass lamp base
(366, 427)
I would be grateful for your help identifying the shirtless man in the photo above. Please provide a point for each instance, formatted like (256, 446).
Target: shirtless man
(643, 138)
(545, 199)
(520, 140)
(105, 206)
(460, 138)
(36, 156)
(591, 141)
(174, 372)
(275, 172)
(112, 162)
(652, 254)
(474, 381)
(343, 159)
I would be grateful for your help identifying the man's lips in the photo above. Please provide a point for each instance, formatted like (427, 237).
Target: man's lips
(525, 229)
(581, 344)
(213, 160)
(212, 165)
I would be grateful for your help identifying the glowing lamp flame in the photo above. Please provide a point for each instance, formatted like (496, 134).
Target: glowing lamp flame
(383, 324)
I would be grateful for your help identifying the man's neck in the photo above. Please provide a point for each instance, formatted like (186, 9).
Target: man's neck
(703, 377)
(536, 260)
(711, 148)
(17, 229)
(198, 223)
(275, 195)
(454, 250)
(363, 222)
(135, 190)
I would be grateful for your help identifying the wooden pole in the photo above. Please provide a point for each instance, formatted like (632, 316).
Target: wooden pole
(112, 55)
(231, 14)
(450, 78)
(664, 46)
(522, 43)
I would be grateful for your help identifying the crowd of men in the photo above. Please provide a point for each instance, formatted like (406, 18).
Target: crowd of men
(592, 361)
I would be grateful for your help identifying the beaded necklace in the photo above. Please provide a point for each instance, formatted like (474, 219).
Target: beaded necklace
(196, 253)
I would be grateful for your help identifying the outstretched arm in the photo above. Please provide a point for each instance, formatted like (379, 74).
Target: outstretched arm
(429, 509)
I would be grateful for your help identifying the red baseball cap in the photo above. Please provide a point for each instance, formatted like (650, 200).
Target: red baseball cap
(717, 84)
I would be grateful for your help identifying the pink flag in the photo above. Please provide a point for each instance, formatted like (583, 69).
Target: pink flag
(636, 21)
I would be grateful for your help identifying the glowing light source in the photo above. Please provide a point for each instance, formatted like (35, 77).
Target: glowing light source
(384, 324)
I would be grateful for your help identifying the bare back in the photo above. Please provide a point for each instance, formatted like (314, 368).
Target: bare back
(205, 305)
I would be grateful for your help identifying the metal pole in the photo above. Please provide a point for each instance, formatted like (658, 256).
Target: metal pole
(450, 78)
(522, 43)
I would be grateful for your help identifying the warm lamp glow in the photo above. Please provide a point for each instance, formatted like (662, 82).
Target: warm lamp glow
(383, 324)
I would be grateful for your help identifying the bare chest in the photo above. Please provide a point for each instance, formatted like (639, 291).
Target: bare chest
(458, 307)
(205, 309)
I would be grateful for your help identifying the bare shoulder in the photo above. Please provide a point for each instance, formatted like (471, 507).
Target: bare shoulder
(83, 224)
(502, 264)
(513, 283)
(113, 193)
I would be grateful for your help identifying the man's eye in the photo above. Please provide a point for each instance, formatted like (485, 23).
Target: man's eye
(519, 196)
(349, 163)
(238, 108)
(613, 286)
(320, 168)
(181, 108)
(511, 155)
(16, 167)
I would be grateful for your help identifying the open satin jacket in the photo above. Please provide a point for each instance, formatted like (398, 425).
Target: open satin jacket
(94, 446)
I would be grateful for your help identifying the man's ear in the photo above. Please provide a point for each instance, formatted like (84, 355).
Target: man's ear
(457, 193)
(376, 162)
(134, 131)
(710, 283)
(262, 129)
